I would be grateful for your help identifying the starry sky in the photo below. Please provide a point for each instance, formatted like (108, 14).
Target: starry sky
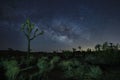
(66, 23)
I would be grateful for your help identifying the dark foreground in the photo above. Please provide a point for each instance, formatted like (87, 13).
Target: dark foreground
(76, 65)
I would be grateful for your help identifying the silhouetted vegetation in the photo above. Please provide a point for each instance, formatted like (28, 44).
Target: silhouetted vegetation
(100, 64)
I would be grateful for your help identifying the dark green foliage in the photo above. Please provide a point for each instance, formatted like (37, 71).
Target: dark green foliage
(12, 69)
(67, 54)
(93, 59)
(95, 73)
(101, 64)
(73, 69)
(54, 61)
(43, 65)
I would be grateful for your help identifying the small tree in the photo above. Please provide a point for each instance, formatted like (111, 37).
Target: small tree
(111, 47)
(74, 50)
(30, 31)
(98, 47)
(105, 46)
(79, 47)
(117, 46)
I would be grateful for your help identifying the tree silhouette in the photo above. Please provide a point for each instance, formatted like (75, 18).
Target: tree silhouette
(74, 50)
(105, 46)
(88, 50)
(111, 47)
(117, 46)
(30, 31)
(98, 47)
(79, 47)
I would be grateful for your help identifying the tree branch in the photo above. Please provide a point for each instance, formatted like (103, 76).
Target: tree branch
(26, 34)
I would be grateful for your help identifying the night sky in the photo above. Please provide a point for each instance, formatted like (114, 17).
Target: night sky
(66, 23)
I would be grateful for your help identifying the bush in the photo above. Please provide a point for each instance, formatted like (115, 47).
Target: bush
(54, 61)
(67, 54)
(92, 59)
(73, 69)
(43, 65)
(11, 68)
(95, 73)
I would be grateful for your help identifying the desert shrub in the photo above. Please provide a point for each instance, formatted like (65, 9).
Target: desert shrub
(95, 73)
(21, 77)
(93, 59)
(67, 54)
(106, 58)
(66, 64)
(30, 60)
(27, 61)
(73, 69)
(53, 61)
(22, 60)
(112, 58)
(67, 67)
(43, 64)
(12, 69)
(44, 67)
(75, 73)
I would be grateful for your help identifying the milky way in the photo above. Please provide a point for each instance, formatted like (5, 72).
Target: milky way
(67, 23)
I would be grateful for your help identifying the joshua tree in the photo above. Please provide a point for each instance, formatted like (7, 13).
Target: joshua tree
(88, 50)
(30, 31)
(79, 47)
(117, 46)
(97, 47)
(74, 50)
(111, 45)
(105, 46)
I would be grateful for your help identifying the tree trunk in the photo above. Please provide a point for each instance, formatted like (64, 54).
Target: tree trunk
(28, 48)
